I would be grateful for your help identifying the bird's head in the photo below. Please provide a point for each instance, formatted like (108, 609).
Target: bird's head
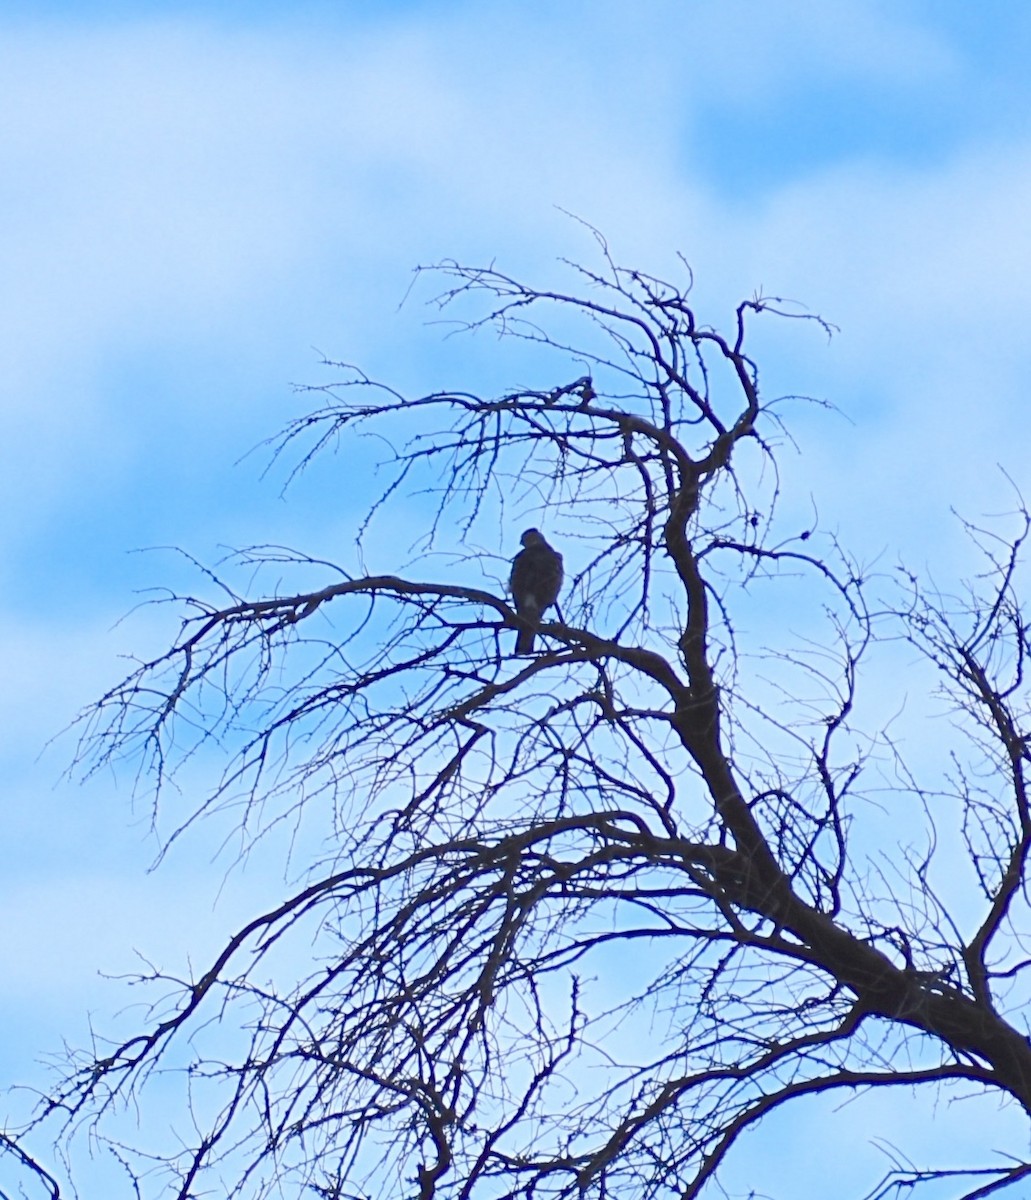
(532, 537)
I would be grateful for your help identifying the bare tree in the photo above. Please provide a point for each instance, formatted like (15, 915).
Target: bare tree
(577, 922)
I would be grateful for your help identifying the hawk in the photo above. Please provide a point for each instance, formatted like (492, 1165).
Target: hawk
(535, 582)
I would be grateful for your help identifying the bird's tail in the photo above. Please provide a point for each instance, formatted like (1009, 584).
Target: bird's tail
(527, 635)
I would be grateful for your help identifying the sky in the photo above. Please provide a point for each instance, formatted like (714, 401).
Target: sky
(198, 202)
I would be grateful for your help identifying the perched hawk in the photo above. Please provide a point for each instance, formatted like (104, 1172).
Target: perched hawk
(535, 582)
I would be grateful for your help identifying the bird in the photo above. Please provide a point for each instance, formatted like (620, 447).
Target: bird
(535, 583)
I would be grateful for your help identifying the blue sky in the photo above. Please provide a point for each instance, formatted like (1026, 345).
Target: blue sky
(197, 201)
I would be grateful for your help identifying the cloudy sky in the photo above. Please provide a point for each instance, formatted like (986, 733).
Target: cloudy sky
(200, 200)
